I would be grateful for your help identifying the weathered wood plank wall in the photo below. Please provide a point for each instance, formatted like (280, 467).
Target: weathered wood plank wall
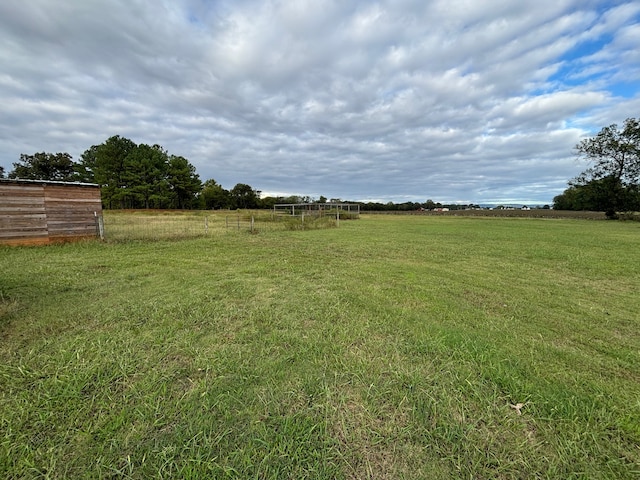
(33, 212)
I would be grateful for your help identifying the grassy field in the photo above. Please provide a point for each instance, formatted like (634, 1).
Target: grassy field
(390, 347)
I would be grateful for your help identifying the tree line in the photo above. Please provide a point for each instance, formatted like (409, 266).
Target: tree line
(135, 176)
(612, 183)
(147, 176)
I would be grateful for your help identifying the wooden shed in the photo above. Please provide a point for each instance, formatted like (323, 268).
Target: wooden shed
(39, 212)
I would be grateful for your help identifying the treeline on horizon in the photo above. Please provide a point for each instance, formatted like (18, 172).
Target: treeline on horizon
(135, 176)
(141, 176)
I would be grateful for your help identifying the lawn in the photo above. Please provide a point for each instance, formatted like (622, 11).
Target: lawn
(390, 347)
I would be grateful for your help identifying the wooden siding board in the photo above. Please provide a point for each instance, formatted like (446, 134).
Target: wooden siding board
(24, 234)
(23, 217)
(21, 191)
(21, 211)
(71, 199)
(24, 199)
(22, 223)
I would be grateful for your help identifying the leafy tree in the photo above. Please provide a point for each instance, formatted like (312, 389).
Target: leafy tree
(598, 195)
(214, 196)
(292, 199)
(106, 164)
(243, 196)
(567, 200)
(373, 206)
(140, 176)
(44, 166)
(85, 167)
(407, 206)
(145, 169)
(269, 202)
(1, 171)
(615, 158)
(183, 182)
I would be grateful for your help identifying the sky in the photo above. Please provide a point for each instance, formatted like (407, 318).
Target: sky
(458, 101)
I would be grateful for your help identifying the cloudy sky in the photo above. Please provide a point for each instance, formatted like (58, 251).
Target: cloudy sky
(396, 100)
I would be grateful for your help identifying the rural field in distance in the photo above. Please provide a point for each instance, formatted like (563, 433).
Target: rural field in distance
(390, 347)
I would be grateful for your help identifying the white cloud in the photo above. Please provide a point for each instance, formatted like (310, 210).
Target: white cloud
(351, 99)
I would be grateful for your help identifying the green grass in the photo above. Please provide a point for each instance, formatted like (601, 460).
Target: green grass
(390, 347)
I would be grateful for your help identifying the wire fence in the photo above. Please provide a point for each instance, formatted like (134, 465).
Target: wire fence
(123, 225)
